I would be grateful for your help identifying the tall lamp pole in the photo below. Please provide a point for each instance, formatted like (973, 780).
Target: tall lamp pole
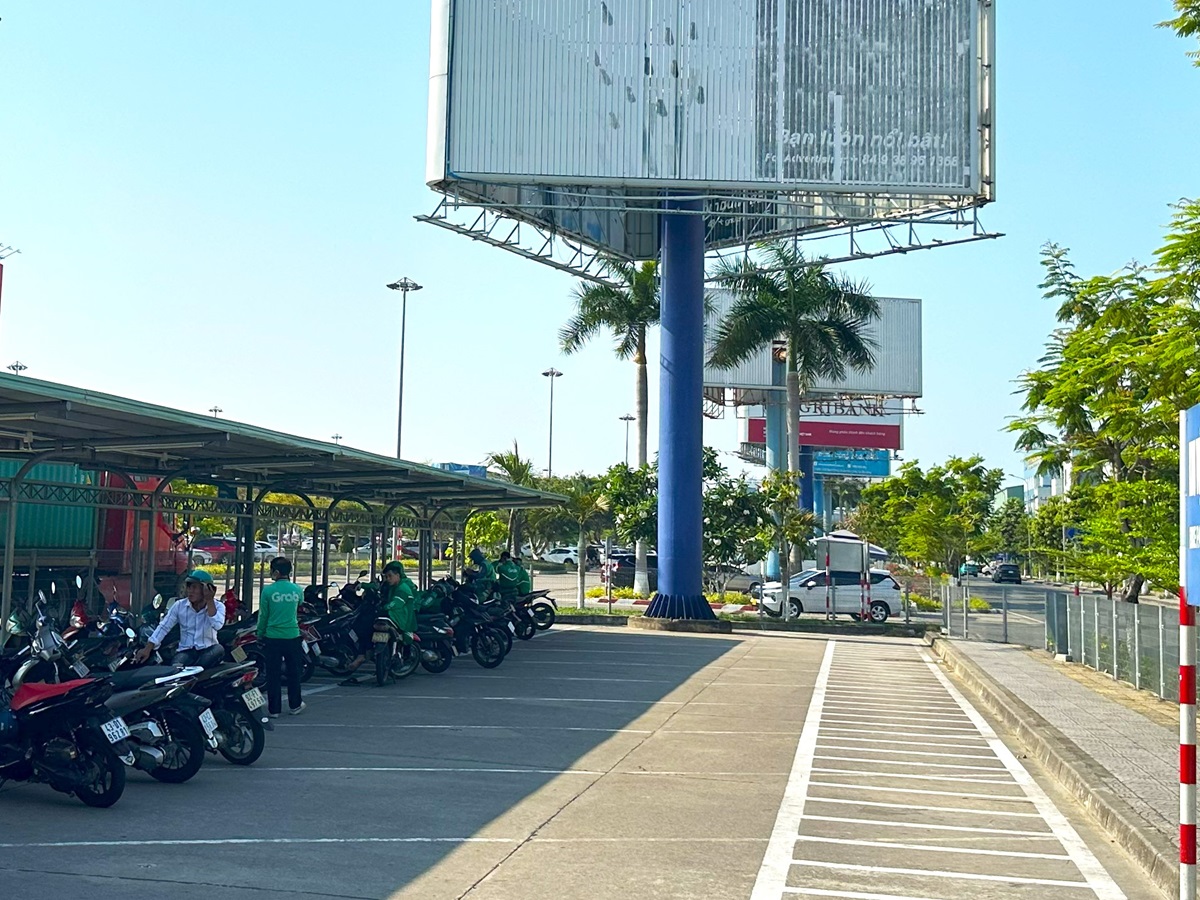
(551, 373)
(627, 418)
(403, 285)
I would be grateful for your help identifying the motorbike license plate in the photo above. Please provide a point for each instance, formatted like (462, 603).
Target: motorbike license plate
(238, 654)
(253, 698)
(80, 669)
(380, 637)
(209, 722)
(315, 648)
(115, 730)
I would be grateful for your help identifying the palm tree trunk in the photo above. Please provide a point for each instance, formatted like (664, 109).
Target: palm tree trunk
(641, 574)
(581, 567)
(793, 435)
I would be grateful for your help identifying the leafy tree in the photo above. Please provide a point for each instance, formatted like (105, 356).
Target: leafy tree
(786, 524)
(514, 468)
(587, 510)
(735, 514)
(1048, 529)
(822, 317)
(632, 498)
(1187, 22)
(1008, 529)
(1124, 527)
(487, 531)
(934, 516)
(628, 310)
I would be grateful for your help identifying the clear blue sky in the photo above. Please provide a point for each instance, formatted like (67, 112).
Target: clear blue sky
(209, 198)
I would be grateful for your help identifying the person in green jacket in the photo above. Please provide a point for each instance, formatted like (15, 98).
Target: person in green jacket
(511, 578)
(484, 581)
(398, 601)
(279, 632)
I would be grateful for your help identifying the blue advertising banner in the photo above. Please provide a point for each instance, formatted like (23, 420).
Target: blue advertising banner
(852, 463)
(1189, 504)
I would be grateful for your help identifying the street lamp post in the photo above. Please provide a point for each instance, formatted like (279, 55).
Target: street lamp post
(215, 410)
(403, 285)
(551, 373)
(17, 368)
(337, 439)
(627, 418)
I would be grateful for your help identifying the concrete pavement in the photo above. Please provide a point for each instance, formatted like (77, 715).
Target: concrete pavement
(597, 764)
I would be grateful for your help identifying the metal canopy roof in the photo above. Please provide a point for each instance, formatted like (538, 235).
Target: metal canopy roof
(99, 431)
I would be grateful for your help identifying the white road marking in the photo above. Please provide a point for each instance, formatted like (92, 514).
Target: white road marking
(931, 848)
(411, 726)
(846, 736)
(1097, 876)
(951, 809)
(448, 769)
(945, 733)
(308, 692)
(923, 826)
(937, 873)
(777, 861)
(381, 840)
(1003, 780)
(874, 788)
(853, 895)
(908, 762)
(904, 715)
(893, 751)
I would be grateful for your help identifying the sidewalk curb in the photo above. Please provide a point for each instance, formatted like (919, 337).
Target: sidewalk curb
(1081, 775)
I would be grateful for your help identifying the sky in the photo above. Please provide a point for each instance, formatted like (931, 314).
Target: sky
(209, 199)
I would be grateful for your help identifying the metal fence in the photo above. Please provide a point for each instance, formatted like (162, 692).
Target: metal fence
(1137, 643)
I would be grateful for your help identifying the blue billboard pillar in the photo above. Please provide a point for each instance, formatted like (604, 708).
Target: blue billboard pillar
(807, 479)
(776, 461)
(680, 425)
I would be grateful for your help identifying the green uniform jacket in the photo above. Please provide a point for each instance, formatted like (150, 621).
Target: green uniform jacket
(400, 604)
(277, 610)
(509, 578)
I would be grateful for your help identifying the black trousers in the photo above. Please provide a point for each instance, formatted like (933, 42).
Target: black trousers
(276, 650)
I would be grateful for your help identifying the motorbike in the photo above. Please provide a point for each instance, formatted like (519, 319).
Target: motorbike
(240, 710)
(436, 641)
(542, 607)
(476, 630)
(64, 736)
(395, 653)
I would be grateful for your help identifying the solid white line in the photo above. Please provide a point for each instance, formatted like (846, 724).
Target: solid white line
(950, 809)
(926, 706)
(892, 750)
(904, 716)
(1011, 798)
(937, 873)
(538, 699)
(853, 895)
(776, 864)
(931, 848)
(1097, 876)
(909, 762)
(890, 727)
(205, 842)
(308, 692)
(493, 677)
(447, 769)
(483, 728)
(920, 826)
(974, 745)
(967, 779)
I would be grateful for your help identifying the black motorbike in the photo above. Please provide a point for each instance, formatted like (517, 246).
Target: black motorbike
(476, 630)
(240, 710)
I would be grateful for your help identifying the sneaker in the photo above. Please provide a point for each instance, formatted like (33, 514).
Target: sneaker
(299, 709)
(273, 715)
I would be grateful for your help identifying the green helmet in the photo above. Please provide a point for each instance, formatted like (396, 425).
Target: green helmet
(394, 566)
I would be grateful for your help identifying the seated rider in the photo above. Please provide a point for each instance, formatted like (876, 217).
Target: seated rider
(511, 578)
(484, 580)
(199, 620)
(398, 601)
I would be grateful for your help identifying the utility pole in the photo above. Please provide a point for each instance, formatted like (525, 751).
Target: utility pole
(551, 373)
(403, 285)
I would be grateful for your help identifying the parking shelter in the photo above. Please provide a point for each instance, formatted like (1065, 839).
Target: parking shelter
(65, 449)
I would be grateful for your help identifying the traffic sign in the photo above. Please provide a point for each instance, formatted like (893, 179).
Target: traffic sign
(1189, 504)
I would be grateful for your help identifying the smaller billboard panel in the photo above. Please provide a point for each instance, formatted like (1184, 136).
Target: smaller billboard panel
(852, 463)
(1189, 504)
(852, 435)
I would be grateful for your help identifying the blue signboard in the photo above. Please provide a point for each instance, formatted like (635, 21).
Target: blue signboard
(1189, 517)
(852, 463)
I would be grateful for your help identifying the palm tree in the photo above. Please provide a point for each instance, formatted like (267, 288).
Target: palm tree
(627, 309)
(822, 317)
(510, 466)
(586, 509)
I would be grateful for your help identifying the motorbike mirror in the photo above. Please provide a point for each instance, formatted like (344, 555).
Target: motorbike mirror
(41, 597)
(364, 574)
(78, 582)
(130, 633)
(157, 602)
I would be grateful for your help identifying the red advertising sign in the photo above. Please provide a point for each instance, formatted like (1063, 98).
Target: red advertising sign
(857, 435)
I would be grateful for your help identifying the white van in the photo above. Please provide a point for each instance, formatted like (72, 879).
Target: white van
(806, 594)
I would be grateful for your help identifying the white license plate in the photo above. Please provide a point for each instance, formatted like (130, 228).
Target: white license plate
(238, 654)
(315, 648)
(380, 637)
(209, 722)
(80, 669)
(115, 730)
(253, 698)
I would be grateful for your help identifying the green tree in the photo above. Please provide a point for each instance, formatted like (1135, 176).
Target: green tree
(786, 524)
(487, 531)
(627, 309)
(1008, 529)
(822, 317)
(735, 514)
(1124, 526)
(632, 499)
(512, 467)
(587, 510)
(1186, 23)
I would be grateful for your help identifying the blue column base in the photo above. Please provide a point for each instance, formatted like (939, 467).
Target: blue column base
(678, 606)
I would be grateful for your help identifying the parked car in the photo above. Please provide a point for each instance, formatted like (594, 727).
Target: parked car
(219, 549)
(970, 568)
(620, 569)
(735, 579)
(567, 556)
(201, 557)
(1007, 573)
(265, 550)
(806, 593)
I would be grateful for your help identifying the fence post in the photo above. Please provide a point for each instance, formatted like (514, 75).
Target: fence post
(1070, 656)
(1004, 614)
(907, 608)
(1115, 638)
(1047, 605)
(965, 605)
(1137, 647)
(945, 609)
(1162, 675)
(1096, 629)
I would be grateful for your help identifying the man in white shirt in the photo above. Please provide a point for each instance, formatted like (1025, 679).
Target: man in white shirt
(199, 620)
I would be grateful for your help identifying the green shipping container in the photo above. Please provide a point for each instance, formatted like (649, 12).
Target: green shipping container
(42, 526)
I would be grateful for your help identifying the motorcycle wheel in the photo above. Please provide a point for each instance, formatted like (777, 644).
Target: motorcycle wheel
(310, 666)
(525, 629)
(442, 663)
(543, 615)
(244, 736)
(108, 781)
(184, 753)
(487, 648)
(260, 668)
(383, 656)
(406, 664)
(505, 634)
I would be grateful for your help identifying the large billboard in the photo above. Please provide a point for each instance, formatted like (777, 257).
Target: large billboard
(897, 370)
(786, 115)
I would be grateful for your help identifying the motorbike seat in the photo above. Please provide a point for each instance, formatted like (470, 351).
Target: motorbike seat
(32, 692)
(132, 679)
